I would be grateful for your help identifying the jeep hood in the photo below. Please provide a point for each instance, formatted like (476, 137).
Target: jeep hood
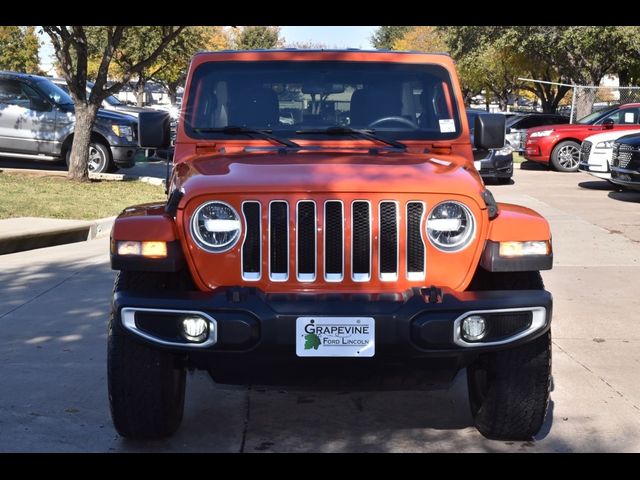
(335, 172)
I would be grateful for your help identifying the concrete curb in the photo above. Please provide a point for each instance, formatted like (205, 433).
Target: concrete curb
(52, 236)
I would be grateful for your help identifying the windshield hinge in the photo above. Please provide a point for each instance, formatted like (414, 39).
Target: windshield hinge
(206, 148)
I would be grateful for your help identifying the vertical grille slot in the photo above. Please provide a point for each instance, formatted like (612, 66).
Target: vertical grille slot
(415, 245)
(251, 248)
(361, 241)
(278, 241)
(388, 250)
(306, 241)
(333, 241)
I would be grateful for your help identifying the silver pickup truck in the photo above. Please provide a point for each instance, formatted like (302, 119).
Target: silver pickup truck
(37, 121)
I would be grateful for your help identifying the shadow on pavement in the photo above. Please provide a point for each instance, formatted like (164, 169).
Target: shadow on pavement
(529, 165)
(625, 196)
(598, 185)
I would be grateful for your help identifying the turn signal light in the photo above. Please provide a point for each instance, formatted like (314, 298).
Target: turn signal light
(146, 249)
(521, 249)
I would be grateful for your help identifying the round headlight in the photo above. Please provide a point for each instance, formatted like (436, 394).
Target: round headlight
(450, 226)
(215, 226)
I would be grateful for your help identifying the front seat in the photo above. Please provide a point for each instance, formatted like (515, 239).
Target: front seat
(257, 108)
(370, 104)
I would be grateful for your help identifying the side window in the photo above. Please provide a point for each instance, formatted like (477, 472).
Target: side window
(625, 116)
(526, 123)
(11, 93)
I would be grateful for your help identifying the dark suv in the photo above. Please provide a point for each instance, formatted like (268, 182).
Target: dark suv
(37, 121)
(625, 162)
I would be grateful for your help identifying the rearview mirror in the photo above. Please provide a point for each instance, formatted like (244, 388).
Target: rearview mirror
(489, 131)
(154, 130)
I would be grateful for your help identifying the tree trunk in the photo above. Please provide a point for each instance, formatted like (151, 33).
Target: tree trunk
(624, 77)
(140, 92)
(78, 162)
(585, 98)
(173, 93)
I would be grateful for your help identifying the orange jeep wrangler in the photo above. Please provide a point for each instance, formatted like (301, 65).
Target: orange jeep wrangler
(325, 226)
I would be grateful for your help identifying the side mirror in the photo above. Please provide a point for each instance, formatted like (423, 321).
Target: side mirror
(508, 130)
(608, 123)
(489, 131)
(154, 130)
(39, 105)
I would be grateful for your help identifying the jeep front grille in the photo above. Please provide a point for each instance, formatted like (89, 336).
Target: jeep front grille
(585, 151)
(325, 249)
(279, 241)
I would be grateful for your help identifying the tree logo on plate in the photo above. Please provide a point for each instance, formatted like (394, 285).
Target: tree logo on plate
(311, 340)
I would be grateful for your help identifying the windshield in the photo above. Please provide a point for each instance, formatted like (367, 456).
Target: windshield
(111, 100)
(595, 116)
(398, 101)
(54, 93)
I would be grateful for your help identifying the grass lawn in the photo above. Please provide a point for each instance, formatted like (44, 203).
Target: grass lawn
(23, 195)
(517, 158)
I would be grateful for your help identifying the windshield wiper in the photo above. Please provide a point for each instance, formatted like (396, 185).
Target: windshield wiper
(368, 134)
(233, 130)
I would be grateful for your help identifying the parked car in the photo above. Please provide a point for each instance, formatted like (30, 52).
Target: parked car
(625, 162)
(328, 254)
(560, 144)
(596, 152)
(109, 103)
(37, 122)
(493, 164)
(517, 127)
(113, 103)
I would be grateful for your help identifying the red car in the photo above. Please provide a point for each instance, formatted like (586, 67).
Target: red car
(560, 144)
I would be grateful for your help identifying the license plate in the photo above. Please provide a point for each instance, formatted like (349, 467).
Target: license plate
(335, 336)
(478, 165)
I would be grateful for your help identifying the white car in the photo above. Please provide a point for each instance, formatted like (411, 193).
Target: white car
(596, 151)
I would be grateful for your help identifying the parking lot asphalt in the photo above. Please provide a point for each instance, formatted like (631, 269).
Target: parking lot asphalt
(54, 304)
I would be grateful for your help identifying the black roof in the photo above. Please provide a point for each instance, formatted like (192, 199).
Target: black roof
(24, 76)
(333, 50)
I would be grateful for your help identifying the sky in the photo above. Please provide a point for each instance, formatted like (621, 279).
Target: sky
(339, 37)
(332, 37)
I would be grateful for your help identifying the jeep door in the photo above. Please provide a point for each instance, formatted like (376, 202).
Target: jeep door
(27, 119)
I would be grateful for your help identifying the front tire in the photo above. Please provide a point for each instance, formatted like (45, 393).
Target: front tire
(566, 156)
(99, 160)
(146, 385)
(509, 389)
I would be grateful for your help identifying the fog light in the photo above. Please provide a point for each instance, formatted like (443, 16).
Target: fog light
(474, 328)
(194, 329)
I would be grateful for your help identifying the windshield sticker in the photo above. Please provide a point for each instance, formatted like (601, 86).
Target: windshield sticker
(447, 125)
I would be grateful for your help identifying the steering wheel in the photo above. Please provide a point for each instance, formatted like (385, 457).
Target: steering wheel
(404, 121)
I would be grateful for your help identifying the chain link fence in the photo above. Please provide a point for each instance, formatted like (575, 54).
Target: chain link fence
(588, 99)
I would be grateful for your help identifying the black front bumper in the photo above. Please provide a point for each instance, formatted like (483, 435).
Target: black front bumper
(256, 332)
(496, 166)
(629, 178)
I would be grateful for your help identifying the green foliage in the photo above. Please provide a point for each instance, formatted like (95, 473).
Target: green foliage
(491, 59)
(255, 37)
(386, 36)
(19, 49)
(311, 340)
